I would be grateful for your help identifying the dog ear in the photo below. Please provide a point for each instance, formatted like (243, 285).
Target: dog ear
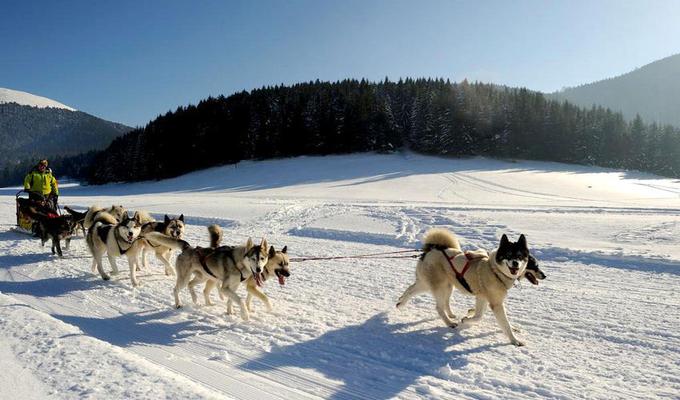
(272, 252)
(532, 263)
(249, 244)
(181, 217)
(166, 219)
(522, 241)
(138, 217)
(125, 218)
(263, 245)
(504, 240)
(284, 250)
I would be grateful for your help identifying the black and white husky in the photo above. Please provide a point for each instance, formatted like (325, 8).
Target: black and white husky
(486, 276)
(115, 239)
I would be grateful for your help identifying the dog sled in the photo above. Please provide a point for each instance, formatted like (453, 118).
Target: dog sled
(27, 208)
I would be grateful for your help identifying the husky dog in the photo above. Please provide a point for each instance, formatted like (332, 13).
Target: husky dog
(93, 212)
(277, 265)
(227, 265)
(488, 277)
(533, 272)
(78, 219)
(173, 227)
(116, 239)
(56, 228)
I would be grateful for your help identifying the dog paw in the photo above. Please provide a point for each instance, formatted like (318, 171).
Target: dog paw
(178, 306)
(399, 305)
(517, 343)
(106, 277)
(453, 325)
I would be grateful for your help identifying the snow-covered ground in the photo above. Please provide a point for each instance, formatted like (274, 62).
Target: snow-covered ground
(604, 324)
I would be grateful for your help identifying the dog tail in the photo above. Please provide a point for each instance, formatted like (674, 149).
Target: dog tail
(215, 235)
(105, 218)
(89, 216)
(440, 238)
(77, 214)
(144, 217)
(157, 238)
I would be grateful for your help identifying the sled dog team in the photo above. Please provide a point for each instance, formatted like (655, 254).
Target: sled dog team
(441, 267)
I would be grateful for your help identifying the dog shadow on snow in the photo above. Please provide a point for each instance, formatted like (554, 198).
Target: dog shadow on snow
(147, 327)
(375, 359)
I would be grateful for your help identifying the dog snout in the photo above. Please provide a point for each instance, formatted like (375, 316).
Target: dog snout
(515, 264)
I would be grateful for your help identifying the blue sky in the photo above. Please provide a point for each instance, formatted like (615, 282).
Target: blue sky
(129, 61)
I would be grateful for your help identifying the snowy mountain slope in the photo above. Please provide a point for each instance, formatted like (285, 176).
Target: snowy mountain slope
(604, 324)
(28, 99)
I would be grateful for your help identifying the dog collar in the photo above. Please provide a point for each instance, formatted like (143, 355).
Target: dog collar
(120, 249)
(502, 277)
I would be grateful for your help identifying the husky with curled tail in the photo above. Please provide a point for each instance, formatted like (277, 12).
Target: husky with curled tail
(115, 239)
(227, 266)
(443, 266)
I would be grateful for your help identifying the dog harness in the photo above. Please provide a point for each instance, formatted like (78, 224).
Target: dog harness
(117, 237)
(460, 276)
(201, 258)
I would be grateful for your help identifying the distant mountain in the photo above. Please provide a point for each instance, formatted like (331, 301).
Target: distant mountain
(653, 91)
(33, 127)
(28, 99)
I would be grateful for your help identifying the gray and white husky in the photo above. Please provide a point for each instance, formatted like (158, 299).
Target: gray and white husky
(115, 239)
(173, 227)
(488, 277)
(226, 265)
(277, 266)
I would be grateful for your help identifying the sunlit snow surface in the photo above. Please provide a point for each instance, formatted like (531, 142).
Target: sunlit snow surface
(604, 324)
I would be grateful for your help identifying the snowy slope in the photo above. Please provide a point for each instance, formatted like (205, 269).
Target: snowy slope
(603, 325)
(28, 99)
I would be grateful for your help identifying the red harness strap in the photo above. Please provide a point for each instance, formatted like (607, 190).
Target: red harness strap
(460, 276)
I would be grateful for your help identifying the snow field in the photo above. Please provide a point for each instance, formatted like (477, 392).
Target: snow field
(602, 325)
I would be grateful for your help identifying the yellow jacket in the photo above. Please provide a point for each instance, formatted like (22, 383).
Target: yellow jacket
(41, 182)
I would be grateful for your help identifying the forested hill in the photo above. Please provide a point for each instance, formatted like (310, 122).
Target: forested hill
(653, 91)
(32, 132)
(424, 115)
